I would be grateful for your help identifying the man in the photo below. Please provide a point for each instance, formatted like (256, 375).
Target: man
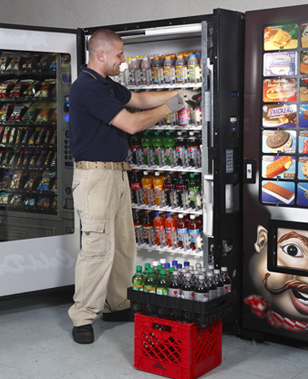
(99, 124)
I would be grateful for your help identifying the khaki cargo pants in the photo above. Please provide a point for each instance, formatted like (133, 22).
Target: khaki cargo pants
(105, 264)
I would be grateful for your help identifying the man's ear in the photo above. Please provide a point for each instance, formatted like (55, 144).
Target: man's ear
(101, 56)
(261, 239)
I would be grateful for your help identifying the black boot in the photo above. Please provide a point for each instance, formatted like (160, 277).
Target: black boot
(83, 334)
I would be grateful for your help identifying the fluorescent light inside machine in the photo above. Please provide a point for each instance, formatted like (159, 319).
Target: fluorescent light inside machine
(174, 30)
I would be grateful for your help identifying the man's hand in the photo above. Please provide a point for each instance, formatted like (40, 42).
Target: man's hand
(176, 103)
(191, 96)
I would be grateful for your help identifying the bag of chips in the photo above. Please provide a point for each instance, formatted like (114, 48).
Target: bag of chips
(45, 182)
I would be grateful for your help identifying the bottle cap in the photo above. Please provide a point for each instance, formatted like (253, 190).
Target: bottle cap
(163, 272)
(174, 263)
(139, 268)
(151, 270)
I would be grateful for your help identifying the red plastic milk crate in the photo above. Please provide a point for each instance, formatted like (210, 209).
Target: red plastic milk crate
(176, 349)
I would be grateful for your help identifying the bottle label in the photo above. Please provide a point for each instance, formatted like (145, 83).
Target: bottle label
(167, 74)
(137, 287)
(227, 288)
(212, 294)
(162, 291)
(202, 297)
(183, 116)
(155, 75)
(174, 292)
(182, 233)
(135, 186)
(187, 295)
(191, 149)
(194, 235)
(149, 289)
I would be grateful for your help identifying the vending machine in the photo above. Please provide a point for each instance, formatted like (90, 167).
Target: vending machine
(275, 201)
(205, 148)
(39, 235)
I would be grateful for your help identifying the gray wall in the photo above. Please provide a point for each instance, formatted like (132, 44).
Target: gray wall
(85, 13)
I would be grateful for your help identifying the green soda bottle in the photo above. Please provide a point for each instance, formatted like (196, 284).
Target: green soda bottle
(150, 282)
(138, 279)
(194, 191)
(158, 272)
(170, 152)
(158, 145)
(146, 143)
(162, 284)
(146, 269)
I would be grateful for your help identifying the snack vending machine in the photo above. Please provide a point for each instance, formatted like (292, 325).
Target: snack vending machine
(201, 145)
(275, 201)
(39, 236)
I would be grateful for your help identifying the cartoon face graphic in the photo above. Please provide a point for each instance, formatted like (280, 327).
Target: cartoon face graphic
(286, 294)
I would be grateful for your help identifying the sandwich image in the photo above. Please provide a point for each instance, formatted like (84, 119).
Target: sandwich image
(279, 141)
(304, 65)
(278, 167)
(281, 38)
(278, 192)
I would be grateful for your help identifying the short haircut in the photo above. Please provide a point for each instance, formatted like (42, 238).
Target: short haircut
(102, 39)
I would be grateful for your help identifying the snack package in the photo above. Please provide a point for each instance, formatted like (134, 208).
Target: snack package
(3, 112)
(53, 116)
(30, 115)
(43, 115)
(40, 137)
(66, 60)
(41, 158)
(6, 85)
(4, 60)
(6, 180)
(30, 91)
(53, 63)
(14, 64)
(14, 157)
(6, 134)
(18, 111)
(43, 202)
(33, 136)
(20, 158)
(19, 134)
(53, 163)
(6, 158)
(54, 203)
(48, 159)
(26, 157)
(29, 202)
(1, 131)
(13, 134)
(45, 182)
(15, 183)
(30, 183)
(30, 62)
(54, 92)
(55, 185)
(43, 62)
(16, 200)
(53, 140)
(4, 198)
(33, 158)
(46, 86)
(16, 90)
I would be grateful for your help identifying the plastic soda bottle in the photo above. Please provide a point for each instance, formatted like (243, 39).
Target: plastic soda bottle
(157, 71)
(159, 228)
(147, 187)
(158, 186)
(169, 186)
(138, 279)
(150, 282)
(187, 288)
(147, 151)
(146, 71)
(162, 284)
(135, 185)
(135, 145)
(201, 291)
(146, 269)
(194, 187)
(194, 232)
(182, 232)
(148, 229)
(158, 145)
(193, 144)
(124, 74)
(180, 69)
(212, 286)
(226, 279)
(174, 285)
(169, 70)
(170, 226)
(170, 151)
(155, 264)
(158, 271)
(219, 283)
(174, 264)
(181, 188)
(137, 226)
(180, 143)
(134, 69)
(184, 115)
(193, 71)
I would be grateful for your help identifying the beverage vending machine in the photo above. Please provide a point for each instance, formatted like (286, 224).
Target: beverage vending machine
(275, 229)
(187, 169)
(39, 235)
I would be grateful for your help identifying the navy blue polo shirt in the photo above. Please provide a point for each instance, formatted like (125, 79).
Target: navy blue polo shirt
(94, 103)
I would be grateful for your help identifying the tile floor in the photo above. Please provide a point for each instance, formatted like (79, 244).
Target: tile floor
(36, 343)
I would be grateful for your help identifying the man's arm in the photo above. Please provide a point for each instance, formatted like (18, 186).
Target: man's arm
(147, 100)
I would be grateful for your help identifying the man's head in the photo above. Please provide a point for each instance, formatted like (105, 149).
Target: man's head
(106, 52)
